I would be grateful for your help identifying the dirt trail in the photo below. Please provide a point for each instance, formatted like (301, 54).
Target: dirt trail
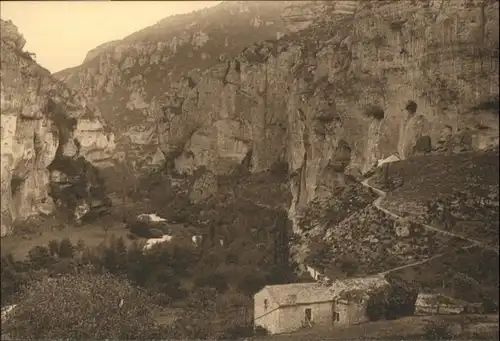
(377, 203)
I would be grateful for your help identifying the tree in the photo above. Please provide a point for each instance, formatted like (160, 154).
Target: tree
(319, 254)
(82, 306)
(66, 249)
(376, 308)
(40, 257)
(196, 322)
(401, 299)
(349, 265)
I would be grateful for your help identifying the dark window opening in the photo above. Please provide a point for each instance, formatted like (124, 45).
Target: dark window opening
(337, 317)
(265, 304)
(308, 313)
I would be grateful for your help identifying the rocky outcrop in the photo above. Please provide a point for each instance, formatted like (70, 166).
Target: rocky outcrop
(50, 138)
(204, 187)
(130, 79)
(355, 83)
(389, 78)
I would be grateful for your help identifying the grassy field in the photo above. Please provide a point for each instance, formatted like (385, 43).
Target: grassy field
(92, 235)
(468, 274)
(427, 176)
(468, 181)
(484, 327)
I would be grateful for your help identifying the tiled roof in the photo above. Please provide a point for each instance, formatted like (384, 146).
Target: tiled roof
(303, 293)
(299, 293)
(366, 284)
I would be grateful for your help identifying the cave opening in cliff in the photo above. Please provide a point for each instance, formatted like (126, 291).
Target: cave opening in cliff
(375, 111)
(15, 185)
(411, 107)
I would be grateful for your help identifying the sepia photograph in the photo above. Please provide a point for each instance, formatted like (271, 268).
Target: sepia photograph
(250, 170)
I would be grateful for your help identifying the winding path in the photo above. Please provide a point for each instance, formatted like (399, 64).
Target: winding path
(420, 262)
(382, 195)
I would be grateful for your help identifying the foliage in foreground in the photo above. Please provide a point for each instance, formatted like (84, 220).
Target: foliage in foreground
(84, 305)
(177, 275)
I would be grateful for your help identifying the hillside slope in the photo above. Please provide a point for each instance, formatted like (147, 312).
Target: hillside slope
(361, 84)
(357, 81)
(128, 79)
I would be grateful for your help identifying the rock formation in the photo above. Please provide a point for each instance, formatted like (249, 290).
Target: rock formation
(130, 79)
(352, 83)
(51, 140)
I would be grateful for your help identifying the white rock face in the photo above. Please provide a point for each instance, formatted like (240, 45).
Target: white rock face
(39, 116)
(153, 241)
(392, 158)
(150, 217)
(7, 310)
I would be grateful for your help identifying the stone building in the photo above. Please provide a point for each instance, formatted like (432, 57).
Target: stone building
(290, 307)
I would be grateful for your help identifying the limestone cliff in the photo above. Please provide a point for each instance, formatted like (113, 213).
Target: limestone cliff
(130, 78)
(352, 82)
(51, 140)
(363, 81)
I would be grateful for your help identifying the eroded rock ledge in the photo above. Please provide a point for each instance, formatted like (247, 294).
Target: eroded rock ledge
(357, 82)
(52, 142)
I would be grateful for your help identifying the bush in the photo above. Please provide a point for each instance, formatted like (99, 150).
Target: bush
(260, 331)
(53, 246)
(349, 265)
(39, 257)
(81, 306)
(377, 306)
(437, 330)
(12, 279)
(66, 249)
(237, 332)
(155, 233)
(401, 299)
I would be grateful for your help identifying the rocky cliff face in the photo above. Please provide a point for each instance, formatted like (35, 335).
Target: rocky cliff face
(51, 140)
(353, 82)
(129, 80)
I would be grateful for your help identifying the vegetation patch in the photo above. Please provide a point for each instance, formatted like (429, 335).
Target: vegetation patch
(374, 111)
(458, 192)
(469, 274)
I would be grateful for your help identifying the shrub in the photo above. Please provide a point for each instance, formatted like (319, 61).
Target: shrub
(401, 299)
(155, 233)
(39, 257)
(377, 306)
(53, 246)
(66, 249)
(349, 265)
(437, 330)
(140, 229)
(260, 331)
(81, 306)
(12, 279)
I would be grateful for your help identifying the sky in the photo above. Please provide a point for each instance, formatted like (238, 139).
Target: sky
(61, 33)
